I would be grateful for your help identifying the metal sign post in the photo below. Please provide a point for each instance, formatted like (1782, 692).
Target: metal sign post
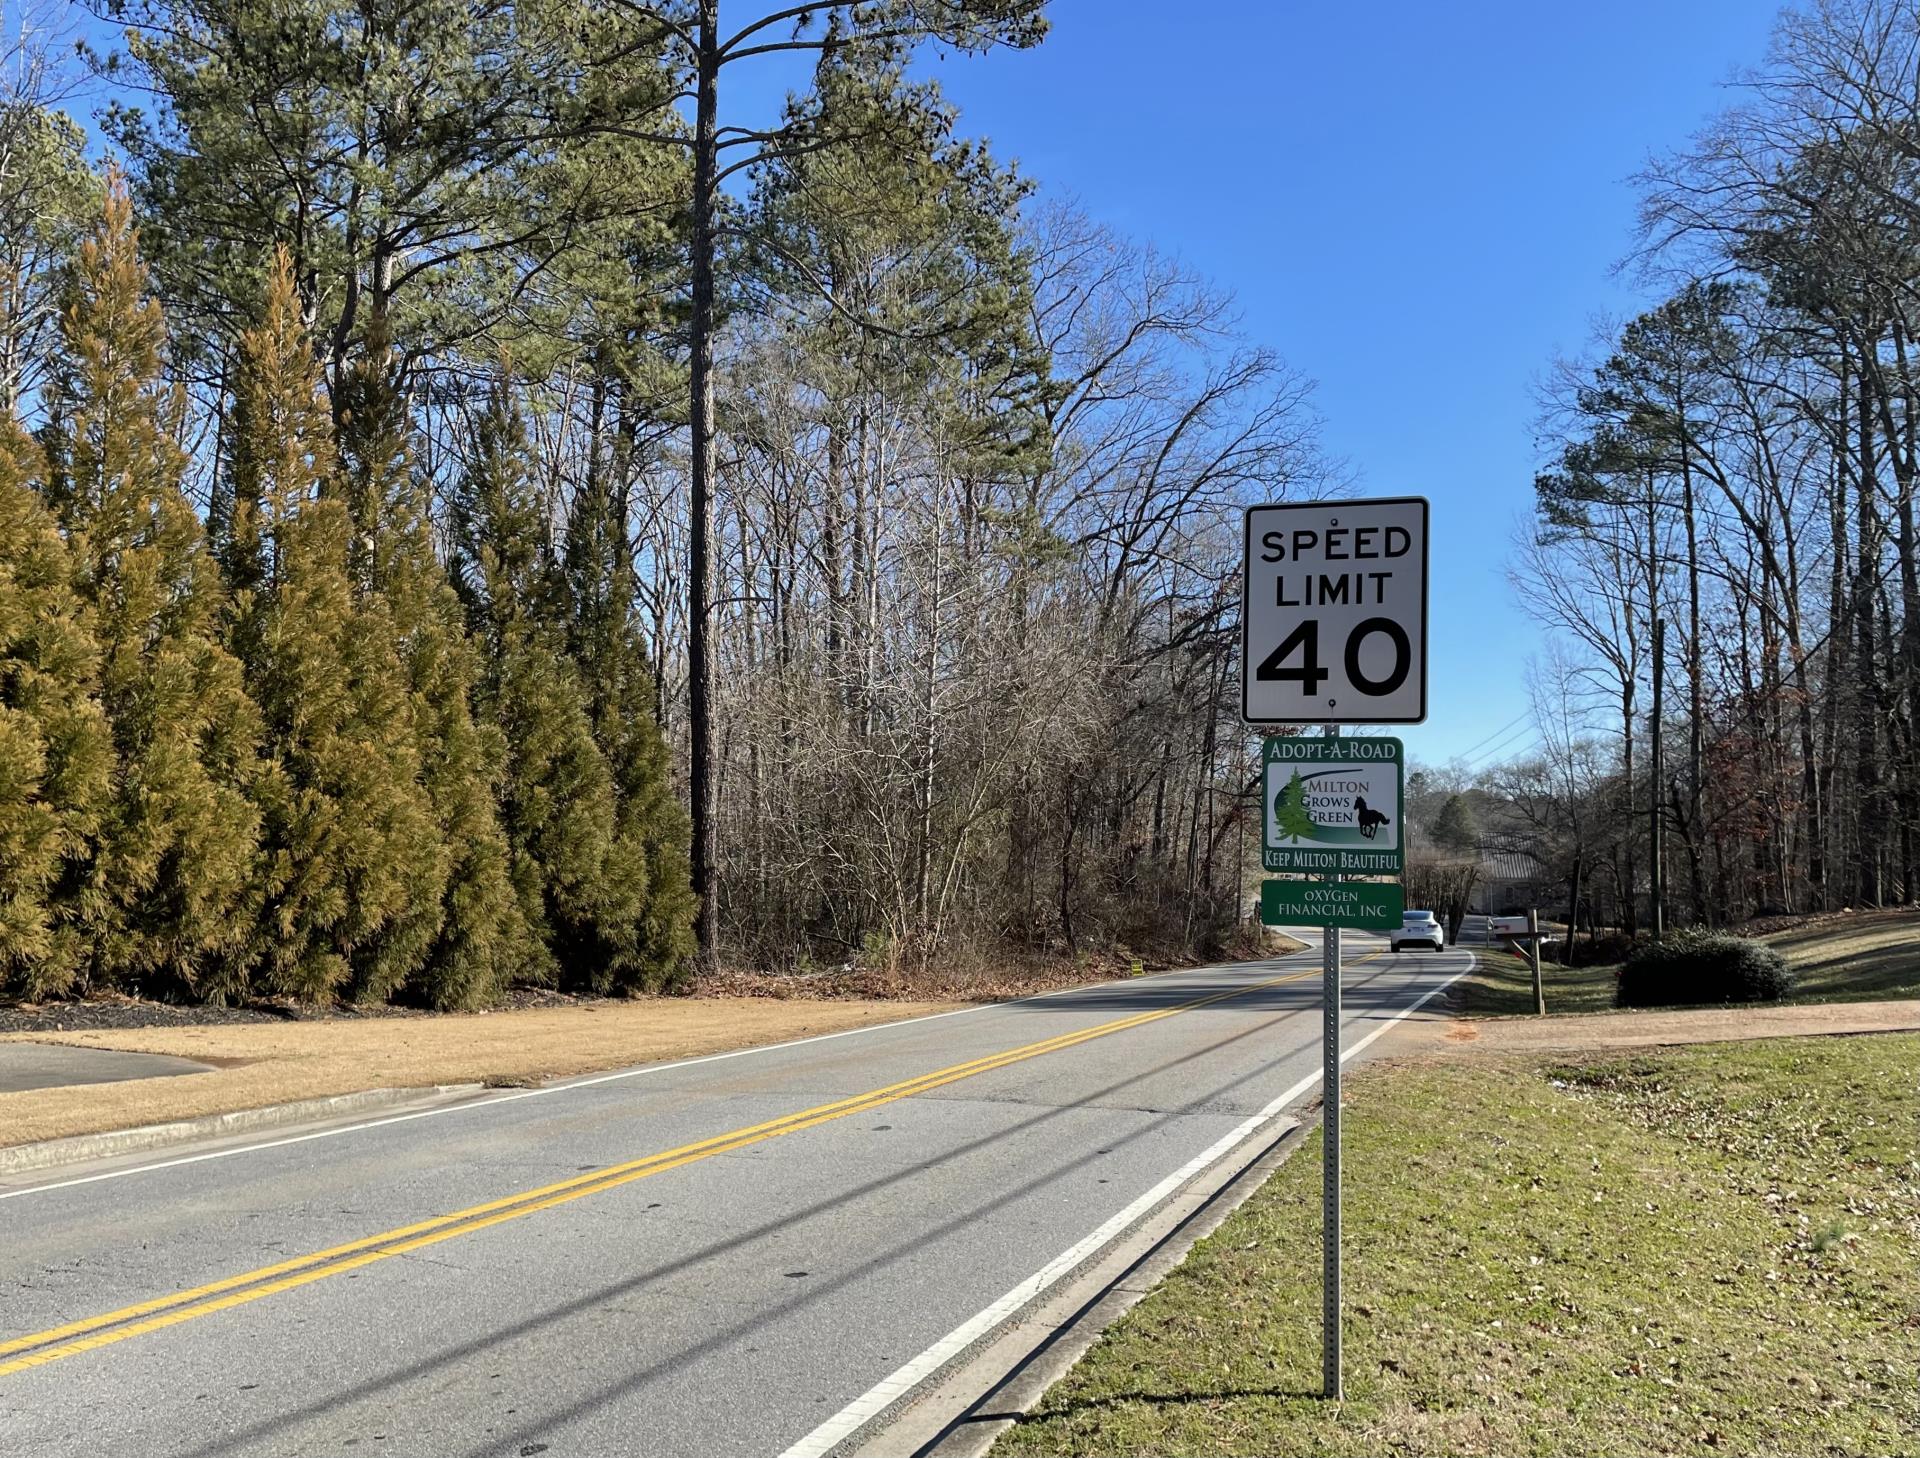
(1330, 1168)
(1333, 625)
(1331, 1384)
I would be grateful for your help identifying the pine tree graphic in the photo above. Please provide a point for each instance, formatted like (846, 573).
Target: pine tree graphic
(1290, 812)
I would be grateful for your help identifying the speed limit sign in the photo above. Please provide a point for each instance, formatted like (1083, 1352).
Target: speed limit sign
(1333, 620)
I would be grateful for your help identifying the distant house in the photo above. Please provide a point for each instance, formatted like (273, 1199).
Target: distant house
(1511, 879)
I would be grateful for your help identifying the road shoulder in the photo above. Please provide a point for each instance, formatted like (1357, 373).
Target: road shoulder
(268, 1066)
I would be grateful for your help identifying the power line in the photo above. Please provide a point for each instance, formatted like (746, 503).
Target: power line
(1522, 735)
(1498, 744)
(1474, 748)
(1518, 751)
(1513, 749)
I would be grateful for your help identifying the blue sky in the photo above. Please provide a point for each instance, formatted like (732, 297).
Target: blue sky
(1419, 205)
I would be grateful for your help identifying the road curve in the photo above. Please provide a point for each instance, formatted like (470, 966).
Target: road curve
(732, 1255)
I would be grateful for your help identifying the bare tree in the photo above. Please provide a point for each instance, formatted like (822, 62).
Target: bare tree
(48, 193)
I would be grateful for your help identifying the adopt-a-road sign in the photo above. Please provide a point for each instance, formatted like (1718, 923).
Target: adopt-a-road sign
(1352, 905)
(1333, 612)
(1333, 806)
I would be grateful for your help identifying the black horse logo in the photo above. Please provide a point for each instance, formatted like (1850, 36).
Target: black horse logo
(1370, 820)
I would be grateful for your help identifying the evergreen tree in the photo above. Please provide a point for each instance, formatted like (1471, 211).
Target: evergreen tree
(651, 815)
(598, 599)
(417, 157)
(475, 939)
(1455, 828)
(916, 240)
(352, 848)
(175, 875)
(55, 752)
(581, 884)
(1291, 815)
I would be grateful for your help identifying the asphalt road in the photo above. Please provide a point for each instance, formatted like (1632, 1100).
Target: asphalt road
(723, 1256)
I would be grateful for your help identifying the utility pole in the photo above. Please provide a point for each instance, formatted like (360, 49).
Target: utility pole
(1657, 879)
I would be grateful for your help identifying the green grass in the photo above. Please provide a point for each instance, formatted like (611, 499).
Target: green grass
(1500, 984)
(1874, 954)
(1712, 1249)
(1854, 958)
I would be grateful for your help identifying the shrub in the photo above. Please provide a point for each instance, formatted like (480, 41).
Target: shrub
(1702, 967)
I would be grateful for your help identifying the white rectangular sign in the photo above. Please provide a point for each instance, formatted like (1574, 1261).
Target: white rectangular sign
(1333, 620)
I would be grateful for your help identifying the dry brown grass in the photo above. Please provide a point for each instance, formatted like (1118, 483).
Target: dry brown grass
(271, 1063)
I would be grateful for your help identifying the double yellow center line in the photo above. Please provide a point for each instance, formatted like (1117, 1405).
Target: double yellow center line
(70, 1340)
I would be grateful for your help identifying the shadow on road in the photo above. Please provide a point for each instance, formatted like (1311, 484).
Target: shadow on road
(488, 1343)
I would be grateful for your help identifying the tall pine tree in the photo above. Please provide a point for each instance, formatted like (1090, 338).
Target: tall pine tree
(175, 874)
(55, 752)
(351, 847)
(476, 939)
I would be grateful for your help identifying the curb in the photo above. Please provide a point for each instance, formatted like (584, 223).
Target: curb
(24, 1158)
(961, 1412)
(967, 1411)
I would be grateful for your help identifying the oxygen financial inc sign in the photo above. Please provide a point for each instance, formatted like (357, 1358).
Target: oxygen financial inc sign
(1361, 905)
(1333, 806)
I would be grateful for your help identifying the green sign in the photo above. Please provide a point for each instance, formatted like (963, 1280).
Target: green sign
(1360, 905)
(1333, 807)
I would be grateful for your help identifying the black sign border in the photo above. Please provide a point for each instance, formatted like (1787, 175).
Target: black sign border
(1246, 592)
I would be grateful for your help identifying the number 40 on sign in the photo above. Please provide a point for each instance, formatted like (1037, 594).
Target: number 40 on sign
(1335, 612)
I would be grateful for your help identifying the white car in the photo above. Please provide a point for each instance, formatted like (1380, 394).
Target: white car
(1418, 929)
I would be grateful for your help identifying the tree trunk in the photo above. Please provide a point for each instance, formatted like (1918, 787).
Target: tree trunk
(1907, 762)
(1066, 864)
(1657, 890)
(930, 744)
(1695, 661)
(1866, 747)
(1828, 848)
(700, 514)
(1576, 882)
(1628, 913)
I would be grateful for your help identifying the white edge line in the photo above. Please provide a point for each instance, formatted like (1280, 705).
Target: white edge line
(469, 1105)
(889, 1390)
